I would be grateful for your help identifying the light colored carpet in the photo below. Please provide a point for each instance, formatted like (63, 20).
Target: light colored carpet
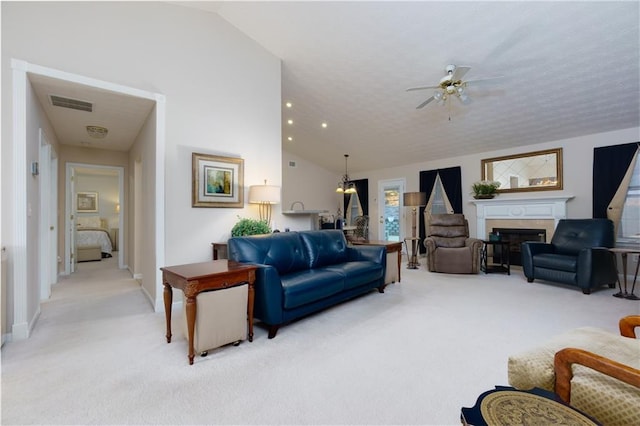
(413, 355)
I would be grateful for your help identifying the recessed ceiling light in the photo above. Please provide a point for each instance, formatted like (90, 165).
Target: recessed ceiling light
(324, 125)
(290, 138)
(288, 105)
(290, 121)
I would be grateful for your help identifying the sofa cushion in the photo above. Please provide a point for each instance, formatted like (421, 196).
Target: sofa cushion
(311, 285)
(325, 247)
(357, 273)
(556, 262)
(282, 250)
(573, 235)
(454, 260)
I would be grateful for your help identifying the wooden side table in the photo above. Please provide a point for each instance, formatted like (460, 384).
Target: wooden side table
(219, 251)
(197, 277)
(392, 247)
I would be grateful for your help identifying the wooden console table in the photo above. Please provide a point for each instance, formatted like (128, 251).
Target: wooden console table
(392, 247)
(197, 277)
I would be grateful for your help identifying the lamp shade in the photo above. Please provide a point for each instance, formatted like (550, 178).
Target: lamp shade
(264, 194)
(414, 199)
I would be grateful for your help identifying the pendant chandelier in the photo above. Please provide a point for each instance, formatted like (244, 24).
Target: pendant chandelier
(345, 185)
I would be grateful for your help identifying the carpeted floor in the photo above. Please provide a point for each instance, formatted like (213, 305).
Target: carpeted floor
(413, 355)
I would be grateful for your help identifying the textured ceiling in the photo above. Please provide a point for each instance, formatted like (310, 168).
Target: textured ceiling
(569, 69)
(122, 115)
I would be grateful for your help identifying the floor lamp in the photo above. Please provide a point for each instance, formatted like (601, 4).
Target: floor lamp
(264, 195)
(413, 200)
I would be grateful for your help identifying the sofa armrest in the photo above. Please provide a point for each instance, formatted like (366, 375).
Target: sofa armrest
(269, 298)
(565, 358)
(530, 249)
(628, 324)
(596, 265)
(377, 254)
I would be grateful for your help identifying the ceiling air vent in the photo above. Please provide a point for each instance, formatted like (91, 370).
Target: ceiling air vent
(76, 104)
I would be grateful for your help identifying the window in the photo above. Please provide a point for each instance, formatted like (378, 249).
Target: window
(629, 229)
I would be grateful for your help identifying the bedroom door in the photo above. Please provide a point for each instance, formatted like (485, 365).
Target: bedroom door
(72, 219)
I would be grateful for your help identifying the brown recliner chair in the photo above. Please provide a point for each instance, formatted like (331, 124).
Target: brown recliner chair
(449, 248)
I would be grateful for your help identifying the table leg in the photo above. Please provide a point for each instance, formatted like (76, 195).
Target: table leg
(250, 309)
(191, 325)
(399, 263)
(632, 296)
(168, 301)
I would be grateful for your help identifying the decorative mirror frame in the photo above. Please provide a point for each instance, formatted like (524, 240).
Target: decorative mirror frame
(557, 185)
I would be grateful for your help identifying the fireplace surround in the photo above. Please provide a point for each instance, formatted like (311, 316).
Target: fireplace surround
(520, 213)
(516, 236)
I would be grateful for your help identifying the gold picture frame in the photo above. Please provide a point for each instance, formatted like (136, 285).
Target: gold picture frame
(87, 202)
(531, 171)
(217, 181)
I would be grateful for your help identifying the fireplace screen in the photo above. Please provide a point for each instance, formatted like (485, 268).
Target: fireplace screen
(516, 236)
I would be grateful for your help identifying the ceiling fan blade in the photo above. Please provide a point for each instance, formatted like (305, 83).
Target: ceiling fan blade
(476, 80)
(411, 89)
(425, 102)
(459, 73)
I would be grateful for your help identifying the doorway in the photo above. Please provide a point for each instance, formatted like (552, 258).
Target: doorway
(106, 222)
(26, 285)
(390, 223)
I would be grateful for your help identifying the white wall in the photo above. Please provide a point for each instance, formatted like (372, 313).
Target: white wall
(222, 95)
(577, 172)
(309, 183)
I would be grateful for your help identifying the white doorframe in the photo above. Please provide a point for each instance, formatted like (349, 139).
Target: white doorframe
(48, 270)
(21, 323)
(384, 185)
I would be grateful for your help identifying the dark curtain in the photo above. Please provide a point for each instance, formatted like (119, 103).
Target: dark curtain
(451, 181)
(610, 163)
(362, 187)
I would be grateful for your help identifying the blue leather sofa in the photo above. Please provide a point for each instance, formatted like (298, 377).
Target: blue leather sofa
(577, 255)
(303, 272)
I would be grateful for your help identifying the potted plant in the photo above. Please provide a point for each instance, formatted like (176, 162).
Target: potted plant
(246, 226)
(485, 189)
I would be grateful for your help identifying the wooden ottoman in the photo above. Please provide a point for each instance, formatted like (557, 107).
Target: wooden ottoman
(89, 253)
(221, 318)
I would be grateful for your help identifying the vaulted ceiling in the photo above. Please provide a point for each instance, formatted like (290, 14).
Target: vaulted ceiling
(565, 69)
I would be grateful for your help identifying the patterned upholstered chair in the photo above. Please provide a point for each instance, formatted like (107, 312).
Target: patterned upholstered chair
(449, 248)
(595, 371)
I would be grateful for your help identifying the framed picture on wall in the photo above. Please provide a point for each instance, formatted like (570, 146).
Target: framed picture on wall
(87, 202)
(217, 181)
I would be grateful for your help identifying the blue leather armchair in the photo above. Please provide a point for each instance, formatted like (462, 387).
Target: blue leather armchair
(577, 255)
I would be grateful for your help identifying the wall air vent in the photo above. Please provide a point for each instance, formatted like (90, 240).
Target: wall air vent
(76, 104)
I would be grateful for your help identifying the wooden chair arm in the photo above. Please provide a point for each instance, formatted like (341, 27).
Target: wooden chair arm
(566, 357)
(628, 324)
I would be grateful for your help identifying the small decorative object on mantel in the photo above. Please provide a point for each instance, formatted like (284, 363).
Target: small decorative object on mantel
(485, 189)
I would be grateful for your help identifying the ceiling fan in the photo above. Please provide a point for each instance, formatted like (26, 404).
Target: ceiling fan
(450, 85)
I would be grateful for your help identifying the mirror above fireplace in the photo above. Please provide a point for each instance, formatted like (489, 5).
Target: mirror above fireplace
(532, 171)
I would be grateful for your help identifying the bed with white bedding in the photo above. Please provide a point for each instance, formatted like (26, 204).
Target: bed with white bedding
(93, 241)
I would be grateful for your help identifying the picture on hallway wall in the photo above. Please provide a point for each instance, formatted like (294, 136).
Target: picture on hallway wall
(217, 181)
(87, 202)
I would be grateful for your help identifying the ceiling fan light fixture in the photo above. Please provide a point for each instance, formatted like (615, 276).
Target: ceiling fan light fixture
(345, 186)
(97, 132)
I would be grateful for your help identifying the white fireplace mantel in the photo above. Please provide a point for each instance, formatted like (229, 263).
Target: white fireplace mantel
(520, 208)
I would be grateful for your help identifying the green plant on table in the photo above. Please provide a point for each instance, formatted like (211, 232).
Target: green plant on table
(246, 226)
(485, 187)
